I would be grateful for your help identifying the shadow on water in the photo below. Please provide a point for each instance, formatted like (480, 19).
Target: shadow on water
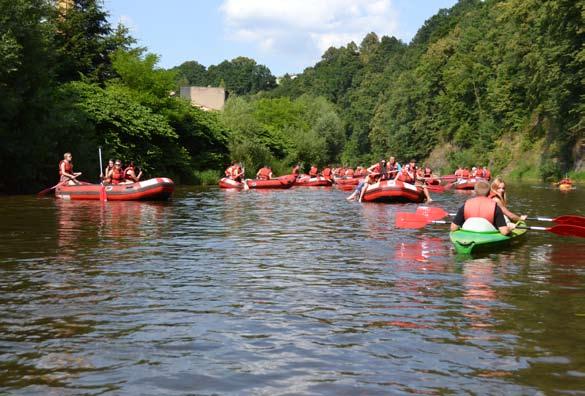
(282, 292)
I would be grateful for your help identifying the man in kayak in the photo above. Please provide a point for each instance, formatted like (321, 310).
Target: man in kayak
(265, 173)
(483, 207)
(66, 170)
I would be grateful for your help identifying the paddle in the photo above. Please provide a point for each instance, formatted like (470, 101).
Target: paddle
(435, 213)
(46, 190)
(414, 220)
(103, 195)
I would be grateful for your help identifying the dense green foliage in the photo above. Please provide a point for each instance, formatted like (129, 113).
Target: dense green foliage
(484, 81)
(240, 76)
(497, 82)
(70, 82)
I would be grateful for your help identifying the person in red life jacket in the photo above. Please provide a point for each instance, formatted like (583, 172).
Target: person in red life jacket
(117, 176)
(349, 172)
(132, 173)
(327, 173)
(486, 173)
(264, 173)
(498, 194)
(465, 174)
(459, 172)
(483, 207)
(107, 175)
(376, 168)
(479, 172)
(235, 172)
(314, 172)
(408, 174)
(393, 167)
(66, 170)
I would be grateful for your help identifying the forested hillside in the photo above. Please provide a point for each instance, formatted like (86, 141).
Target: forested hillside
(498, 82)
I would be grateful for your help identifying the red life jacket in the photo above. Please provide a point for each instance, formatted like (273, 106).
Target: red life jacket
(313, 172)
(117, 176)
(326, 173)
(483, 207)
(264, 174)
(392, 169)
(480, 173)
(349, 172)
(127, 175)
(68, 167)
(377, 168)
(465, 174)
(407, 175)
(487, 174)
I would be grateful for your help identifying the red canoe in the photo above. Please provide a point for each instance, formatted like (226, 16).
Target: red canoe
(280, 182)
(307, 181)
(393, 191)
(160, 188)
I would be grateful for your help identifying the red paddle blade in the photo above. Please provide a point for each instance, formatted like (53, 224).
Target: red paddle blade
(571, 219)
(568, 230)
(431, 213)
(410, 220)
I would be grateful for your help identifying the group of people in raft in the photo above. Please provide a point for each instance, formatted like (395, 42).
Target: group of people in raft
(114, 173)
(479, 171)
(383, 170)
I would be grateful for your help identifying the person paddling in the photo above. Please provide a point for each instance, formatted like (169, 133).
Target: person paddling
(314, 171)
(66, 170)
(484, 208)
(498, 194)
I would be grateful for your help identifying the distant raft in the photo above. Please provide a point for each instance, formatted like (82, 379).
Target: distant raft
(157, 189)
(308, 181)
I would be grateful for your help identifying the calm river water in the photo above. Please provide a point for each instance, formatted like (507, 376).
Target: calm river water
(294, 292)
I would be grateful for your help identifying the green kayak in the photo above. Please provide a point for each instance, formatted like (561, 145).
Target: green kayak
(467, 242)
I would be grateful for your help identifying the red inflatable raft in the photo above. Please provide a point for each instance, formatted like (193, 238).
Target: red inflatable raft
(226, 182)
(280, 182)
(465, 184)
(308, 181)
(344, 181)
(160, 188)
(393, 191)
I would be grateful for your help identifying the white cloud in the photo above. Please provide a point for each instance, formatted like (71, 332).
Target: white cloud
(306, 27)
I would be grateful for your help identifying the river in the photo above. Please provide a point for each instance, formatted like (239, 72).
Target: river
(283, 292)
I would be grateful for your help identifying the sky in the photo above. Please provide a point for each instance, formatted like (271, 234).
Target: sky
(285, 35)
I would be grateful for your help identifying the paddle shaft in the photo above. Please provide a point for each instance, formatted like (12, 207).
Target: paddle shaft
(101, 165)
